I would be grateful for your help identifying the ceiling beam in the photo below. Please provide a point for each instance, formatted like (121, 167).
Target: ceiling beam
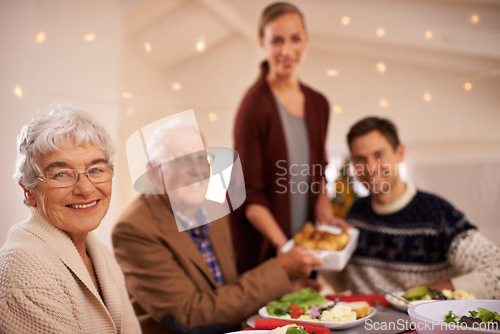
(232, 17)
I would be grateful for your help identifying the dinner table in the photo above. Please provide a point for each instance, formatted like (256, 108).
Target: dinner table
(386, 319)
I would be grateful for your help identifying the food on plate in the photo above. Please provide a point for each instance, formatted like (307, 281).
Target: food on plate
(311, 237)
(339, 313)
(289, 329)
(424, 293)
(457, 294)
(293, 302)
(361, 308)
(475, 318)
(308, 305)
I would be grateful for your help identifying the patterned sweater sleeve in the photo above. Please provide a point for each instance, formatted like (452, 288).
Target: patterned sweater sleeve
(476, 260)
(34, 297)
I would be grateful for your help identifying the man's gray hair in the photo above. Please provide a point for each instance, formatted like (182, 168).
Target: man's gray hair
(43, 134)
(164, 140)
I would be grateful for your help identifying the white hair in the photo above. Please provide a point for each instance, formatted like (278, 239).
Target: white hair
(43, 135)
(164, 140)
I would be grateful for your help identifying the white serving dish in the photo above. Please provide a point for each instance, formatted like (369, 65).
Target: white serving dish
(428, 318)
(334, 261)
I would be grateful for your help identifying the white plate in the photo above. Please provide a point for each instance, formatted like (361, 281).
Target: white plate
(429, 317)
(327, 324)
(397, 304)
(251, 332)
(334, 261)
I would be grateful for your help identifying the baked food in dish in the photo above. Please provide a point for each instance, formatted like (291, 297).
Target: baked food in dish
(313, 238)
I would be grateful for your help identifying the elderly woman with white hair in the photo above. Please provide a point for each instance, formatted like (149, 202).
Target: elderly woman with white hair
(56, 277)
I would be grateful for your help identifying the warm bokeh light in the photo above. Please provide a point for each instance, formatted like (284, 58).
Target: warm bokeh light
(40, 37)
(383, 103)
(381, 67)
(147, 47)
(427, 97)
(474, 18)
(380, 32)
(345, 20)
(89, 37)
(338, 108)
(468, 85)
(332, 72)
(130, 111)
(126, 95)
(18, 91)
(176, 86)
(212, 117)
(429, 34)
(200, 45)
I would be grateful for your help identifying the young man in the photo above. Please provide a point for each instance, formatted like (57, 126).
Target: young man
(409, 237)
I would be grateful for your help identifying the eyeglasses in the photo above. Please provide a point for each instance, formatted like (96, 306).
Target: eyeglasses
(60, 178)
(188, 160)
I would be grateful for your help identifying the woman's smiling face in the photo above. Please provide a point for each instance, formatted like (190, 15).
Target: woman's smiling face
(77, 209)
(284, 40)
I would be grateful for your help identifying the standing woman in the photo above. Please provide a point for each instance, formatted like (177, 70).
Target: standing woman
(280, 132)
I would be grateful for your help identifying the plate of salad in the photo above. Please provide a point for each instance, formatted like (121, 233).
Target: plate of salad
(308, 308)
(456, 316)
(423, 293)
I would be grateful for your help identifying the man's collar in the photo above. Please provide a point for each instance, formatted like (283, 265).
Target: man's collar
(398, 204)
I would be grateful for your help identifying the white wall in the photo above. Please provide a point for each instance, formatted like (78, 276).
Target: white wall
(63, 68)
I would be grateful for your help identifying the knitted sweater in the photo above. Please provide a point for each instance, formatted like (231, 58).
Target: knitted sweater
(421, 239)
(46, 288)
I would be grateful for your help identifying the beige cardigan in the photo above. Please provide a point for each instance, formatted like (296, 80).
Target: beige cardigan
(46, 288)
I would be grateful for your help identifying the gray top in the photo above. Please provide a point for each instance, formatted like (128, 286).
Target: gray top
(297, 144)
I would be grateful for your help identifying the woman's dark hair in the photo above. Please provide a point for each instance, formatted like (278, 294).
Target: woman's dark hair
(269, 14)
(369, 124)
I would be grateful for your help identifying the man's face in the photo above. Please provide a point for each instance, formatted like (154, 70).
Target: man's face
(187, 172)
(376, 162)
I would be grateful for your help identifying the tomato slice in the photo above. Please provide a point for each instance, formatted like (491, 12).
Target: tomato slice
(293, 308)
(297, 314)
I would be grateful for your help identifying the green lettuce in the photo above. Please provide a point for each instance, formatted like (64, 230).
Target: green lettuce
(296, 330)
(304, 299)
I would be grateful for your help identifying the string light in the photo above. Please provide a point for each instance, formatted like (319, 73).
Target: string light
(18, 91)
(126, 95)
(468, 86)
(474, 19)
(332, 72)
(338, 109)
(428, 34)
(427, 97)
(381, 67)
(384, 103)
(176, 86)
(345, 20)
(212, 117)
(380, 32)
(89, 37)
(147, 47)
(200, 45)
(40, 37)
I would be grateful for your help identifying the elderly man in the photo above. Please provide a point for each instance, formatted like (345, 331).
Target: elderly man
(409, 237)
(179, 268)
